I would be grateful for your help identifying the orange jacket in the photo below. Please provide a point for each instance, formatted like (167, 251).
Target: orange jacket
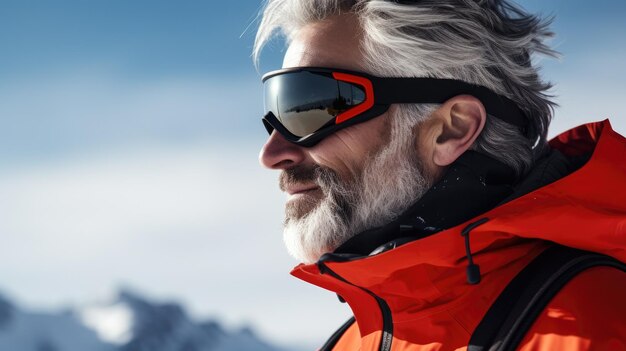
(415, 297)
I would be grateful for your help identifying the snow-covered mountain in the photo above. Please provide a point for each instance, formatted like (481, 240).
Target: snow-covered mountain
(128, 323)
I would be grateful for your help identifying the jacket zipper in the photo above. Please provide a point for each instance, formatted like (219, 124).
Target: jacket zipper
(387, 337)
(387, 330)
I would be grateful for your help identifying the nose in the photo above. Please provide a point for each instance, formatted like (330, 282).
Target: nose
(278, 153)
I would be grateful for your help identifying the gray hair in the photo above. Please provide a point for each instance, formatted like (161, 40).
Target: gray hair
(486, 42)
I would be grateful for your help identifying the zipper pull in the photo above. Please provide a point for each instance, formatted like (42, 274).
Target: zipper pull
(473, 270)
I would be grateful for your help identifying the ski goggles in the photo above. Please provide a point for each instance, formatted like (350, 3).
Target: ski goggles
(306, 104)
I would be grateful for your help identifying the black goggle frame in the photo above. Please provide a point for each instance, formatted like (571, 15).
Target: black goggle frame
(380, 93)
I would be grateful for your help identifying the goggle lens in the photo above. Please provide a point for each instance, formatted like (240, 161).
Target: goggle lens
(304, 102)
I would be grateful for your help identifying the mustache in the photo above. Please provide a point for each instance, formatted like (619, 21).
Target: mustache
(322, 176)
(340, 196)
(298, 174)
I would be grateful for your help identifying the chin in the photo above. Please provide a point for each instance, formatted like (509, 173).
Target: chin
(315, 233)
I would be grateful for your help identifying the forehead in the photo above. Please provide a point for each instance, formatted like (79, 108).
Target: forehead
(334, 42)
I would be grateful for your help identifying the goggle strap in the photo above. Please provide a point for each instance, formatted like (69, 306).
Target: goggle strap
(435, 90)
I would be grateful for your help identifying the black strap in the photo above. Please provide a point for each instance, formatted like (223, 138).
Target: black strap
(437, 90)
(514, 311)
(332, 341)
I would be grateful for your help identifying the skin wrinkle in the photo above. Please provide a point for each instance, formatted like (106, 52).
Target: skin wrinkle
(348, 146)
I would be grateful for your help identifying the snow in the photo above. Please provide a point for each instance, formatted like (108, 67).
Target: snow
(113, 323)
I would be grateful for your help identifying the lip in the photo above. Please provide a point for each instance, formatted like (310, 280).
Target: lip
(301, 189)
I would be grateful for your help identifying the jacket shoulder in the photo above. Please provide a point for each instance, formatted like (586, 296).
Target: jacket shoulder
(588, 314)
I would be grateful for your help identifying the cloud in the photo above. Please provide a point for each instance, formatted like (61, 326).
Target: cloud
(198, 222)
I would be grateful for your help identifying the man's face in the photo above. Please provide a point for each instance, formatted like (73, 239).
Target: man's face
(333, 186)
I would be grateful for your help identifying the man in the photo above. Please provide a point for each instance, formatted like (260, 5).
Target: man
(404, 131)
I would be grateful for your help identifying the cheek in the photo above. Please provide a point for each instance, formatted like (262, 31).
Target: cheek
(347, 150)
(345, 154)
(335, 159)
(341, 157)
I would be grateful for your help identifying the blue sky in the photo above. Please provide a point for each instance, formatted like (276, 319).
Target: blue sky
(129, 132)
(143, 38)
(85, 55)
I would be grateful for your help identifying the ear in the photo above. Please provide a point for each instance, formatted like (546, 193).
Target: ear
(461, 120)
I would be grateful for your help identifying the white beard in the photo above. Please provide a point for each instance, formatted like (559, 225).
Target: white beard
(390, 181)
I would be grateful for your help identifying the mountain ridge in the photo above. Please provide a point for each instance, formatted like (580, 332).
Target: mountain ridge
(129, 322)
